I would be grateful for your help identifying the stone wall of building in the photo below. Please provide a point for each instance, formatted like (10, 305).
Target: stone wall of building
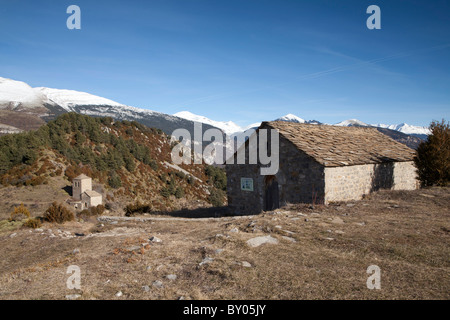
(242, 202)
(300, 179)
(405, 176)
(96, 201)
(353, 182)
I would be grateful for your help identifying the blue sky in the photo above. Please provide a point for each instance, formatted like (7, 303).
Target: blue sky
(245, 61)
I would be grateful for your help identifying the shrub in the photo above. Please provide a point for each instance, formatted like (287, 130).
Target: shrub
(92, 211)
(179, 193)
(217, 177)
(33, 223)
(433, 156)
(19, 213)
(114, 181)
(190, 179)
(97, 211)
(137, 208)
(165, 192)
(180, 174)
(58, 213)
(154, 165)
(216, 197)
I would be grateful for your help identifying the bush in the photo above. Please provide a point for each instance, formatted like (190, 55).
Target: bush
(98, 210)
(58, 213)
(114, 181)
(217, 177)
(137, 208)
(179, 193)
(216, 197)
(19, 213)
(433, 156)
(92, 211)
(190, 179)
(33, 223)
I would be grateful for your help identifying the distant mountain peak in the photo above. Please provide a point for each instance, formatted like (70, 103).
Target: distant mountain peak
(291, 118)
(352, 122)
(229, 127)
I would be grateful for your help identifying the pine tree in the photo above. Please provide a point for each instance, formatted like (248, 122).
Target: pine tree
(433, 156)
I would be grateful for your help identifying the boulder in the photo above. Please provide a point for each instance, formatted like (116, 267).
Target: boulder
(256, 242)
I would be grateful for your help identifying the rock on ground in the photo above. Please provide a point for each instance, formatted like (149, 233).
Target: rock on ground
(256, 242)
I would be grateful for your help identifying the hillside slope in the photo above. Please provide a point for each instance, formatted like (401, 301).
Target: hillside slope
(128, 161)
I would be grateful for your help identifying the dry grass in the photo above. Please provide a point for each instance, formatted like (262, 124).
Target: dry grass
(405, 233)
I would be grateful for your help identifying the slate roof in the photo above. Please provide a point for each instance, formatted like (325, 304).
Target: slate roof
(92, 193)
(81, 177)
(334, 146)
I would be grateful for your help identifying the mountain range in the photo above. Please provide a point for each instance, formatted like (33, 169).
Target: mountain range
(23, 108)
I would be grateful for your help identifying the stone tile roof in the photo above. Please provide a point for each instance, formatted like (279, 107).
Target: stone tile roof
(334, 146)
(81, 177)
(92, 193)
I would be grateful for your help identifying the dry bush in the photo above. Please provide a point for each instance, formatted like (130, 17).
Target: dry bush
(92, 211)
(33, 223)
(137, 208)
(58, 213)
(19, 213)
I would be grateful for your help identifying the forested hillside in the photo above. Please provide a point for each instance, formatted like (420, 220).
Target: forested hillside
(129, 161)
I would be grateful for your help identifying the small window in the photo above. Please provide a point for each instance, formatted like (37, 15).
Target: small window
(247, 184)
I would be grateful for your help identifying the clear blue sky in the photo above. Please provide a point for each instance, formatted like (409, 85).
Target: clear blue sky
(245, 61)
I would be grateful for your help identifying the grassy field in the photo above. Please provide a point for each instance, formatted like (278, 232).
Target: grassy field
(321, 253)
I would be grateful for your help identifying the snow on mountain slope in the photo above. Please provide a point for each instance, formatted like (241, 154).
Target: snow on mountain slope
(69, 98)
(402, 127)
(17, 93)
(5, 129)
(229, 127)
(351, 122)
(291, 118)
(405, 128)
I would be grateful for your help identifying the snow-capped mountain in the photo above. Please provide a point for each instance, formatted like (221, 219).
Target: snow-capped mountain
(417, 131)
(351, 123)
(69, 98)
(291, 118)
(14, 94)
(18, 99)
(405, 128)
(229, 127)
(17, 94)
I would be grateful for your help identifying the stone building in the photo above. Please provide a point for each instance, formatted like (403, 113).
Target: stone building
(83, 197)
(320, 164)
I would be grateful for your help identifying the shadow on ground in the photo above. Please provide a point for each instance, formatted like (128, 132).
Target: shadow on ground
(68, 189)
(214, 212)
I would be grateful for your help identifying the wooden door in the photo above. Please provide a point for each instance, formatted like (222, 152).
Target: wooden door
(271, 194)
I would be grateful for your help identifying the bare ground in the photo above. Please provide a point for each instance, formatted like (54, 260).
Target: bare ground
(322, 253)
